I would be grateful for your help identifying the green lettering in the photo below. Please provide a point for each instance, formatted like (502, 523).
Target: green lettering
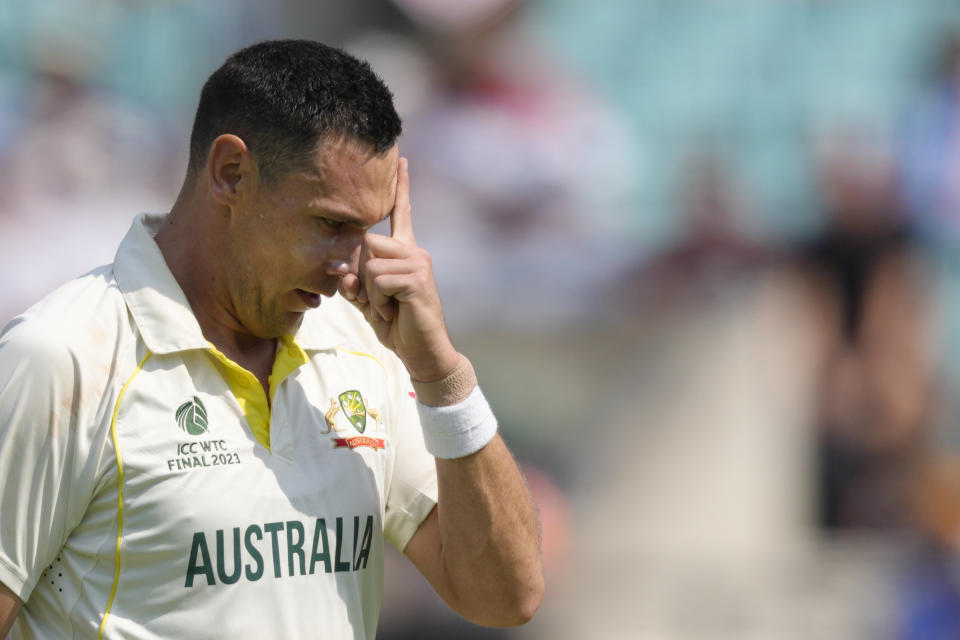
(338, 564)
(221, 569)
(295, 548)
(253, 530)
(320, 533)
(273, 528)
(356, 532)
(199, 545)
(365, 545)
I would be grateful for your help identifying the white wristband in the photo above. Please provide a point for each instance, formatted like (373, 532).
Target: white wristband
(457, 430)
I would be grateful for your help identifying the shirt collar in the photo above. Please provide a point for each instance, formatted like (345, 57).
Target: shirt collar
(318, 331)
(160, 308)
(153, 296)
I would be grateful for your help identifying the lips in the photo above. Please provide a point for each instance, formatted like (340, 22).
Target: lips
(312, 300)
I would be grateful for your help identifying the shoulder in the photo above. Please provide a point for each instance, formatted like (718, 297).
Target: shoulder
(83, 299)
(77, 325)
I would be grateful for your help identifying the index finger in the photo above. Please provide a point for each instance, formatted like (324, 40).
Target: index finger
(401, 226)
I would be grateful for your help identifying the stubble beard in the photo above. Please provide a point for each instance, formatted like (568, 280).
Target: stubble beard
(256, 314)
(273, 322)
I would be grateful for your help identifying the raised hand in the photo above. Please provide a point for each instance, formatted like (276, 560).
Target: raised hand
(396, 292)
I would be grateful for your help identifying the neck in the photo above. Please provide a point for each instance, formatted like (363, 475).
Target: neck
(189, 241)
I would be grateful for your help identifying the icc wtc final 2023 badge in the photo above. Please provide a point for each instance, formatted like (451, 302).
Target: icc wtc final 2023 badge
(191, 416)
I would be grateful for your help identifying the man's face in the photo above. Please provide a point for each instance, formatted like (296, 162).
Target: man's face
(297, 238)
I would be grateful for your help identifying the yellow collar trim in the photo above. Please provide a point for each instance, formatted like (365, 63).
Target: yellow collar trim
(249, 392)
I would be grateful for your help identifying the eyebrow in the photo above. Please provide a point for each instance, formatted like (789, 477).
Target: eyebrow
(339, 216)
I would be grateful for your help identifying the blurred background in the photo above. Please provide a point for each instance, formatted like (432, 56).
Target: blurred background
(703, 254)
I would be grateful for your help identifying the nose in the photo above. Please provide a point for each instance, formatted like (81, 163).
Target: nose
(344, 256)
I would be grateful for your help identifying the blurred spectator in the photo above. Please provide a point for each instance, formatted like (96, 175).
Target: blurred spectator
(929, 589)
(90, 96)
(522, 176)
(877, 381)
(930, 148)
(715, 249)
(82, 163)
(78, 141)
(930, 168)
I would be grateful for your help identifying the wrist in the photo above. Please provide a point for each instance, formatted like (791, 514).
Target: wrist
(450, 388)
(458, 430)
(437, 364)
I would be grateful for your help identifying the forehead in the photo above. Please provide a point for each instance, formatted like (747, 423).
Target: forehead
(347, 177)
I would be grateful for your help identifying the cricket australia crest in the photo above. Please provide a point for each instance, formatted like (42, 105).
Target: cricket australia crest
(354, 409)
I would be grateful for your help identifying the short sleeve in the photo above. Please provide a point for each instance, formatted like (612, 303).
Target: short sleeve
(42, 493)
(413, 487)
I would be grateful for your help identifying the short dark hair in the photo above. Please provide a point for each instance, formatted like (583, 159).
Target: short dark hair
(282, 97)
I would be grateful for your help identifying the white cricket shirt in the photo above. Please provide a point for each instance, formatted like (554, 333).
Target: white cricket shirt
(147, 492)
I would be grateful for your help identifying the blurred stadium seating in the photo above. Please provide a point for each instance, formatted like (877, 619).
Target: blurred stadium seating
(669, 406)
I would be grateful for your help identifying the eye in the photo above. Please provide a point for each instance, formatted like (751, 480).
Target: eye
(332, 224)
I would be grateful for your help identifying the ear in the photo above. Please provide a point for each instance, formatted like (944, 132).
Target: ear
(230, 169)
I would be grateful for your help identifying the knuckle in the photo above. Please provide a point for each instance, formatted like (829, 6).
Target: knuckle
(422, 257)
